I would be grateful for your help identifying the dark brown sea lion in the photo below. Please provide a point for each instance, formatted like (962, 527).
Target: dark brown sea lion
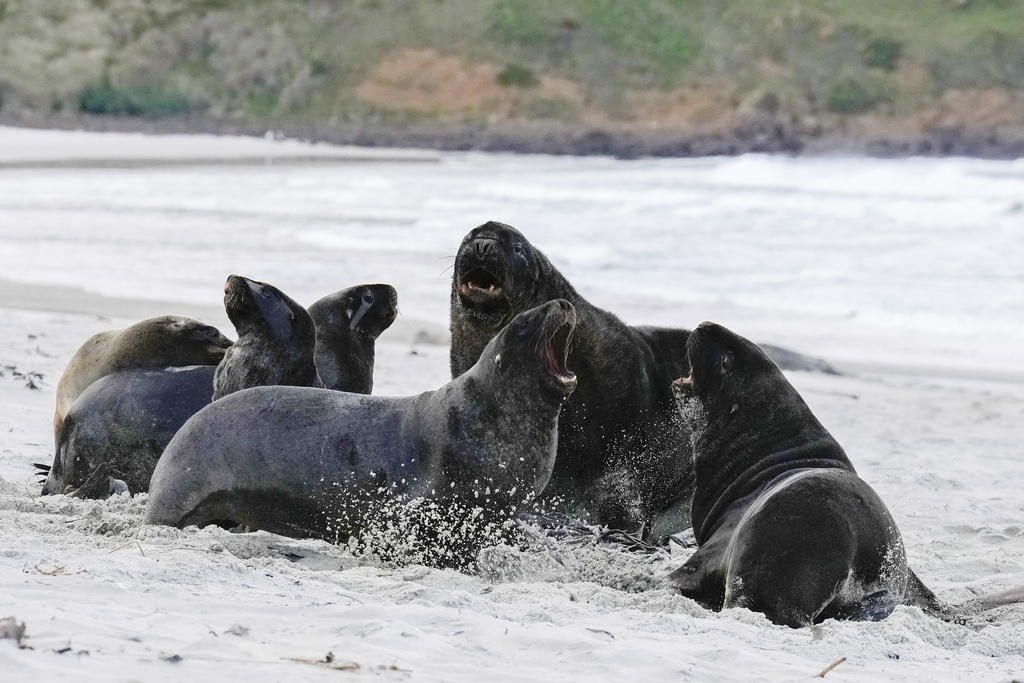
(310, 462)
(164, 341)
(783, 524)
(276, 340)
(347, 326)
(622, 459)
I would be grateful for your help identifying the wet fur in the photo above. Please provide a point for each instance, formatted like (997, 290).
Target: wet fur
(124, 421)
(622, 457)
(300, 461)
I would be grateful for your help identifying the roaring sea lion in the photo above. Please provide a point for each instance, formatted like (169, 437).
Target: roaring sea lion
(164, 341)
(120, 425)
(310, 462)
(783, 524)
(622, 460)
(276, 340)
(347, 326)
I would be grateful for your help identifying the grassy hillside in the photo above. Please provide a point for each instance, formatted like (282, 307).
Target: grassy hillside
(686, 68)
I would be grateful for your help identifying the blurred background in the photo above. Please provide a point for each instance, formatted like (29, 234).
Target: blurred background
(629, 78)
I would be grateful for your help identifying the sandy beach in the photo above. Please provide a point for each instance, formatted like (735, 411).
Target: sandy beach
(905, 275)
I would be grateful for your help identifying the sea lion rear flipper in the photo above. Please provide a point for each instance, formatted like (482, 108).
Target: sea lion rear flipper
(872, 607)
(919, 595)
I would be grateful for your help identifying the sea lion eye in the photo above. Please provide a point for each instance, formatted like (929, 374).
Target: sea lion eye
(523, 324)
(518, 248)
(367, 297)
(726, 363)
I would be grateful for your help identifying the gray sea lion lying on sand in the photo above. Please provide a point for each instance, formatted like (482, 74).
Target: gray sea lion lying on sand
(164, 341)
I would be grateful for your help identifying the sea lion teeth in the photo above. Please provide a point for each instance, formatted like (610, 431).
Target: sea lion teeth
(618, 419)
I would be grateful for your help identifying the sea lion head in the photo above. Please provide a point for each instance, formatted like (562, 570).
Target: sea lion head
(276, 340)
(262, 309)
(749, 423)
(496, 272)
(512, 399)
(348, 323)
(530, 353)
(363, 310)
(729, 374)
(174, 340)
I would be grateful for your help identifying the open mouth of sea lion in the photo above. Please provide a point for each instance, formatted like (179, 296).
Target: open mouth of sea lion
(556, 353)
(684, 385)
(481, 287)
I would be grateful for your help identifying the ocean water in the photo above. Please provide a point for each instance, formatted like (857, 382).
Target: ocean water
(917, 261)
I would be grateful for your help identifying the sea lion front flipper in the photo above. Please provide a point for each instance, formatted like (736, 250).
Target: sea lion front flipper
(701, 578)
(97, 485)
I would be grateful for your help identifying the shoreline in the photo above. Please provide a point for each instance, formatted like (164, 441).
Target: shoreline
(767, 137)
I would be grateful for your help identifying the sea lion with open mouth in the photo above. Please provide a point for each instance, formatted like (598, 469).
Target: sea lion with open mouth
(310, 462)
(622, 458)
(783, 524)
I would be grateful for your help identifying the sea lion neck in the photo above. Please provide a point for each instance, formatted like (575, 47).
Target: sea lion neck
(737, 454)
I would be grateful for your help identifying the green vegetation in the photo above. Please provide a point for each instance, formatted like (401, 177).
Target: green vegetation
(599, 60)
(848, 96)
(103, 98)
(517, 75)
(883, 53)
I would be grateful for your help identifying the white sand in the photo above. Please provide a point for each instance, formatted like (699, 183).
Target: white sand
(105, 598)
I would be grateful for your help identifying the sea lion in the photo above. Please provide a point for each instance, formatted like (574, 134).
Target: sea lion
(164, 341)
(276, 340)
(310, 462)
(622, 460)
(783, 524)
(347, 326)
(121, 424)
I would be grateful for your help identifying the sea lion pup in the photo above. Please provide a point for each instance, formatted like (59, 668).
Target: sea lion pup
(289, 460)
(276, 340)
(783, 524)
(622, 459)
(347, 326)
(164, 341)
